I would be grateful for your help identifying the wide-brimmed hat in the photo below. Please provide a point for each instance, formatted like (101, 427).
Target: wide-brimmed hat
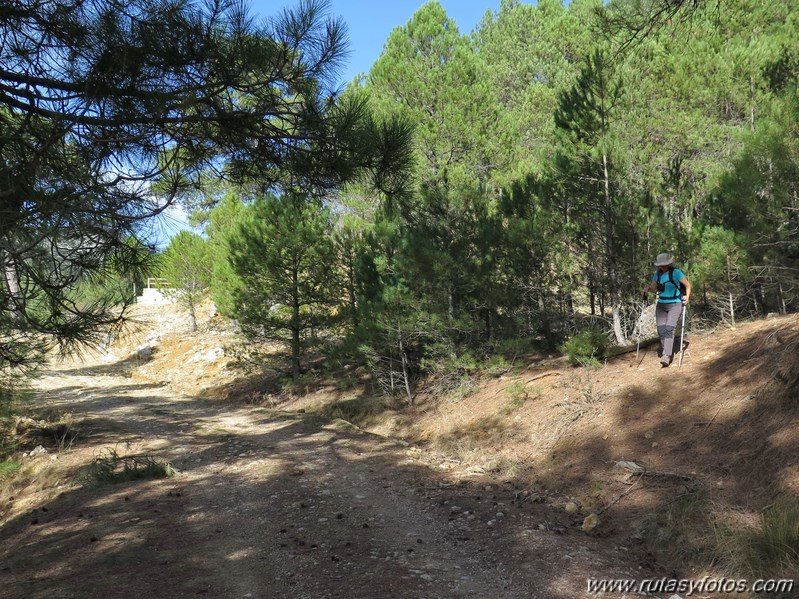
(664, 259)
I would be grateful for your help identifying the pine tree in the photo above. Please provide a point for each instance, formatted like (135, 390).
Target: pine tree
(188, 267)
(587, 165)
(99, 99)
(291, 287)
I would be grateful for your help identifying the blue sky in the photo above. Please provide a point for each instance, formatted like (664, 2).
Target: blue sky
(370, 22)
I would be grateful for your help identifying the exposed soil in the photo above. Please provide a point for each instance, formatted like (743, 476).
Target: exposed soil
(484, 496)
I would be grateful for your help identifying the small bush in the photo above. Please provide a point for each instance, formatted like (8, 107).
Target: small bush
(771, 549)
(517, 394)
(300, 385)
(496, 365)
(52, 429)
(586, 347)
(450, 373)
(682, 533)
(110, 468)
(8, 468)
(358, 410)
(514, 346)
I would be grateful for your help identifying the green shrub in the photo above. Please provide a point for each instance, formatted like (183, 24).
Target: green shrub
(584, 348)
(8, 468)
(450, 373)
(496, 365)
(517, 395)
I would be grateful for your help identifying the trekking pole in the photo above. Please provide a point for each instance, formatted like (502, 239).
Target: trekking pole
(682, 334)
(640, 324)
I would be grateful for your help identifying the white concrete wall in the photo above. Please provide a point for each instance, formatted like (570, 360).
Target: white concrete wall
(150, 295)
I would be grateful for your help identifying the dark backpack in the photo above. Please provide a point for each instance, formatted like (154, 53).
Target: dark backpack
(662, 286)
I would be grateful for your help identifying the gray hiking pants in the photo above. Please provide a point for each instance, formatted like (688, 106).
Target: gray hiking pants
(666, 317)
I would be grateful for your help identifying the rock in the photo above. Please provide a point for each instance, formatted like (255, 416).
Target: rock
(38, 450)
(629, 467)
(144, 352)
(590, 522)
(649, 434)
(213, 354)
(571, 508)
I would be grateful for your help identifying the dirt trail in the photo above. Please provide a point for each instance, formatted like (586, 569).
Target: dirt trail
(270, 504)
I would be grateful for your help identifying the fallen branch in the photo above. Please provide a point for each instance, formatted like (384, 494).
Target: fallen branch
(542, 375)
(633, 468)
(709, 422)
(656, 474)
(626, 349)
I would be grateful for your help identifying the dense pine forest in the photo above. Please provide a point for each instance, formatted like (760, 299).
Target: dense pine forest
(552, 156)
(475, 195)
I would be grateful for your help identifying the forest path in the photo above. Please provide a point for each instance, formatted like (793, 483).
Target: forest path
(270, 504)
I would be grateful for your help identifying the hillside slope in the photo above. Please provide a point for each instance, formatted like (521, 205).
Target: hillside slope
(659, 471)
(716, 440)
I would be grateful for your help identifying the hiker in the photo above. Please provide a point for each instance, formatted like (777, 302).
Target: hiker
(674, 292)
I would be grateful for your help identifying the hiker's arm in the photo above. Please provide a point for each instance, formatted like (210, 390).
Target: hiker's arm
(651, 287)
(686, 298)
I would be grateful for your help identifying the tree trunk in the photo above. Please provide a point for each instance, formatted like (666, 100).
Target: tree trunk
(192, 312)
(404, 359)
(295, 352)
(783, 307)
(12, 286)
(615, 307)
(730, 296)
(546, 326)
(295, 326)
(450, 305)
(406, 377)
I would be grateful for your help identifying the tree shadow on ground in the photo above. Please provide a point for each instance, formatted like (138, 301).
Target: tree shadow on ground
(289, 505)
(715, 443)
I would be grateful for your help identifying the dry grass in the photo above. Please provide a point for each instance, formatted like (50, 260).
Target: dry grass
(34, 480)
(768, 547)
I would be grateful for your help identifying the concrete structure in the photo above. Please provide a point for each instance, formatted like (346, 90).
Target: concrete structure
(154, 294)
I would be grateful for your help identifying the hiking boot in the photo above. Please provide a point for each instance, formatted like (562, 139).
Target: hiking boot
(664, 362)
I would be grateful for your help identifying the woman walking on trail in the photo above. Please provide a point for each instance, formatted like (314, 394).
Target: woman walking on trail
(674, 292)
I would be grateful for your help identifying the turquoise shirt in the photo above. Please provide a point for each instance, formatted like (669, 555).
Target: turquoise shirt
(671, 294)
